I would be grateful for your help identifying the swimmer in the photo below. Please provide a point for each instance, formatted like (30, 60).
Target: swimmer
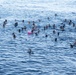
(14, 36)
(55, 39)
(16, 24)
(30, 52)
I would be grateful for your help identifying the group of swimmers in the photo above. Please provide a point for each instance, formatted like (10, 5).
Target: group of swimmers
(35, 30)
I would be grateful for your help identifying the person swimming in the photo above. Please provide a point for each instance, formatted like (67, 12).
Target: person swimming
(58, 33)
(16, 24)
(73, 24)
(55, 39)
(62, 28)
(4, 23)
(19, 30)
(70, 22)
(54, 31)
(46, 35)
(23, 21)
(73, 45)
(48, 18)
(14, 36)
(56, 15)
(30, 52)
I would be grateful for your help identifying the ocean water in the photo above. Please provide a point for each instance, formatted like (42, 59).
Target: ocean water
(50, 57)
